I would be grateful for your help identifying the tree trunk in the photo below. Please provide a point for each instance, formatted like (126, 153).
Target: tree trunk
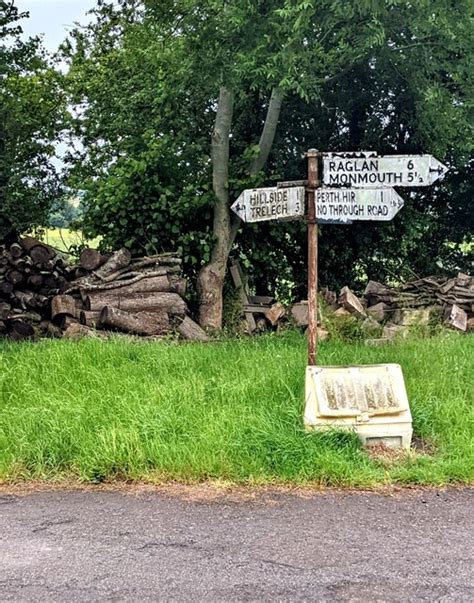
(269, 131)
(211, 277)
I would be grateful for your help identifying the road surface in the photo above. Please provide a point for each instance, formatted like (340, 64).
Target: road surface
(149, 546)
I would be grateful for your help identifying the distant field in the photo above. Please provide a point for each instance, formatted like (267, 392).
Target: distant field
(63, 239)
(100, 411)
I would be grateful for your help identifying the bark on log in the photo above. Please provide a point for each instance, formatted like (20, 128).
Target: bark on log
(41, 301)
(163, 259)
(375, 288)
(144, 284)
(276, 312)
(65, 321)
(299, 312)
(179, 285)
(458, 319)
(192, 331)
(28, 243)
(29, 316)
(50, 281)
(379, 311)
(119, 259)
(91, 259)
(138, 302)
(351, 303)
(79, 273)
(144, 323)
(63, 305)
(89, 319)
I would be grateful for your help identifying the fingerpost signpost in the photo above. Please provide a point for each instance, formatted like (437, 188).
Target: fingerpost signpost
(354, 186)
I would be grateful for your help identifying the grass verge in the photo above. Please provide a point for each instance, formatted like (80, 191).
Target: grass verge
(98, 411)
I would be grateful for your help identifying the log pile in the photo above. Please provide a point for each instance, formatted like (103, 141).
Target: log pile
(141, 296)
(396, 309)
(42, 295)
(454, 295)
(31, 273)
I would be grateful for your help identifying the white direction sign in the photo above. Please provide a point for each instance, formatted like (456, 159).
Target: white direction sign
(261, 204)
(387, 170)
(345, 205)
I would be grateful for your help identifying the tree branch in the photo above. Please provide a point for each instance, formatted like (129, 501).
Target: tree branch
(264, 146)
(269, 130)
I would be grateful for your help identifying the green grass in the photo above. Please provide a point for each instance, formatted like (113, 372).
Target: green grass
(231, 410)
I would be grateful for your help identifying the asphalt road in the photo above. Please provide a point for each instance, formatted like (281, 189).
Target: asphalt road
(89, 546)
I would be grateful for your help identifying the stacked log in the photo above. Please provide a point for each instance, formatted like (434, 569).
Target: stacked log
(455, 296)
(31, 273)
(142, 296)
(397, 309)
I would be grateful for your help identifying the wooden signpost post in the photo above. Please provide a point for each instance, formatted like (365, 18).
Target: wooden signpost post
(313, 184)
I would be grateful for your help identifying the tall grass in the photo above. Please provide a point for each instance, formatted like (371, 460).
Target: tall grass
(232, 410)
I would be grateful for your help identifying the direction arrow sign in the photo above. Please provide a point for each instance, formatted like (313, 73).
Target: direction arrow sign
(388, 170)
(345, 205)
(261, 204)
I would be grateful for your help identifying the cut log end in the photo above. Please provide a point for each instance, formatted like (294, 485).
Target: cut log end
(91, 259)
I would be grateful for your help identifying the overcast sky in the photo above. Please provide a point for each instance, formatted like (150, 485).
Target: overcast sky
(53, 18)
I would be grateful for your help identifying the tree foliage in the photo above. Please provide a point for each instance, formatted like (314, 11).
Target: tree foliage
(390, 76)
(31, 116)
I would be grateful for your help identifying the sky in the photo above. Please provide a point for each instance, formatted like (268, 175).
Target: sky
(53, 18)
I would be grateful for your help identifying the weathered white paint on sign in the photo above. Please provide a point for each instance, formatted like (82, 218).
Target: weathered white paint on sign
(388, 170)
(262, 204)
(344, 205)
